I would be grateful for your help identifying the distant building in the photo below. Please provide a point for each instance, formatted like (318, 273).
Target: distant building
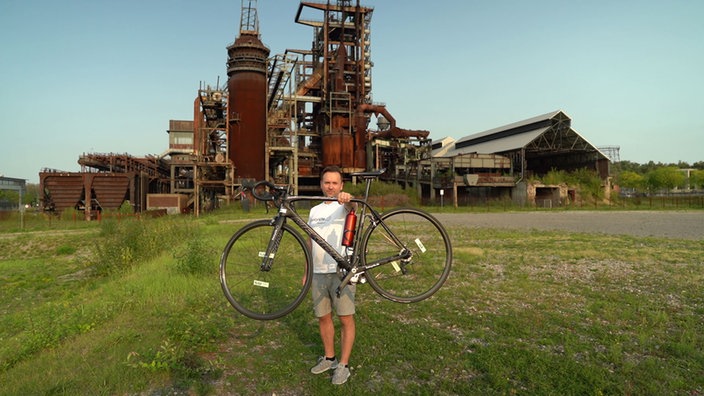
(13, 184)
(499, 163)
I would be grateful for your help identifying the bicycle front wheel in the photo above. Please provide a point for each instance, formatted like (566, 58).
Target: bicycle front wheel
(419, 277)
(265, 294)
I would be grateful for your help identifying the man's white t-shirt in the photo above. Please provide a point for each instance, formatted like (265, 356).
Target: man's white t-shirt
(328, 219)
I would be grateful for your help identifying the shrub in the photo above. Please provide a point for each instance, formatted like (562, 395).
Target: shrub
(382, 193)
(128, 242)
(389, 201)
(196, 257)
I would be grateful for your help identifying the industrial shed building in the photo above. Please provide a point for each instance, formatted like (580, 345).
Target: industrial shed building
(499, 162)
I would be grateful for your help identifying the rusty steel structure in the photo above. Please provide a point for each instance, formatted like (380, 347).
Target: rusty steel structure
(284, 117)
(281, 118)
(320, 102)
(246, 106)
(208, 165)
(106, 182)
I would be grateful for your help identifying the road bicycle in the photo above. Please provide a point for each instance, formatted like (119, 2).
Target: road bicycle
(266, 268)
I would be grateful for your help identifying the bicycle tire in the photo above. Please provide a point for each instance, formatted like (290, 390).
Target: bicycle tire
(428, 268)
(265, 295)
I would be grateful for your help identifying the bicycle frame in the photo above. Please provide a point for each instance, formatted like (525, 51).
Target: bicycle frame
(405, 254)
(351, 262)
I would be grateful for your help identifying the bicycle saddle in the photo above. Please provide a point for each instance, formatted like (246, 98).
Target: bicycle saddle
(369, 174)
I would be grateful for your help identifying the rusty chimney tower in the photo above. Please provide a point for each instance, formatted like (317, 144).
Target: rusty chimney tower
(246, 105)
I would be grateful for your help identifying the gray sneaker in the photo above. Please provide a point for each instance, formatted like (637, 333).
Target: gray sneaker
(342, 373)
(323, 365)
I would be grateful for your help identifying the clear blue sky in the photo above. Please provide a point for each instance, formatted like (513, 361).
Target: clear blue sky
(107, 76)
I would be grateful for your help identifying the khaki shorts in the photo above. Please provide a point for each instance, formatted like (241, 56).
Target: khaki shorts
(325, 298)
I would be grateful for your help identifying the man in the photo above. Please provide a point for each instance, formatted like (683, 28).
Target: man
(328, 219)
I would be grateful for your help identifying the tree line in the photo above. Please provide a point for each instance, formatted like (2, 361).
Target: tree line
(655, 177)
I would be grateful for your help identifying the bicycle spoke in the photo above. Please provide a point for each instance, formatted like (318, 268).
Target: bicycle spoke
(418, 277)
(264, 294)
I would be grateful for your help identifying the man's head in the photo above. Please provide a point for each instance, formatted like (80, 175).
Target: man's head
(331, 181)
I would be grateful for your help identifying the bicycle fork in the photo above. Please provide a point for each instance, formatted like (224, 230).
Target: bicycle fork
(273, 246)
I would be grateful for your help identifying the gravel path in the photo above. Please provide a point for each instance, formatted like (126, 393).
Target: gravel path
(660, 224)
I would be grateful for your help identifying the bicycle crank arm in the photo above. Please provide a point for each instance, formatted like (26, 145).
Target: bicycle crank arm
(345, 281)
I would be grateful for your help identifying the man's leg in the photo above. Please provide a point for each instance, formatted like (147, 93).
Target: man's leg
(327, 334)
(347, 334)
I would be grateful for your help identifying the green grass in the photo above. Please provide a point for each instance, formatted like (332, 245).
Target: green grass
(522, 313)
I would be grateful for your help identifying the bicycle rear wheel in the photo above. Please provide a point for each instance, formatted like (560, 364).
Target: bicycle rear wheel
(265, 295)
(425, 272)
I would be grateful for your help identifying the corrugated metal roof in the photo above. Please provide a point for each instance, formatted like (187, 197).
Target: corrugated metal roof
(512, 137)
(447, 143)
(514, 125)
(505, 138)
(509, 143)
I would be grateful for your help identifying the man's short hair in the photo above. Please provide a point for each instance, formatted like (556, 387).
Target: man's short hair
(330, 168)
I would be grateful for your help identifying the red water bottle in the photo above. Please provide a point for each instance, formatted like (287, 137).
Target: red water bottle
(348, 232)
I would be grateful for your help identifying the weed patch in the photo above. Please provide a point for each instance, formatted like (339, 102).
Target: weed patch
(196, 257)
(131, 241)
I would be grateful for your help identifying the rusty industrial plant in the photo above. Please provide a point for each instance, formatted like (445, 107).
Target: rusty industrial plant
(284, 117)
(246, 105)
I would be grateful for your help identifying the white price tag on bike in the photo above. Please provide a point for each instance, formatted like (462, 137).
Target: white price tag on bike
(395, 265)
(261, 283)
(420, 245)
(262, 254)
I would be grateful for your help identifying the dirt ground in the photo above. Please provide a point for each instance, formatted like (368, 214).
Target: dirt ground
(659, 224)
